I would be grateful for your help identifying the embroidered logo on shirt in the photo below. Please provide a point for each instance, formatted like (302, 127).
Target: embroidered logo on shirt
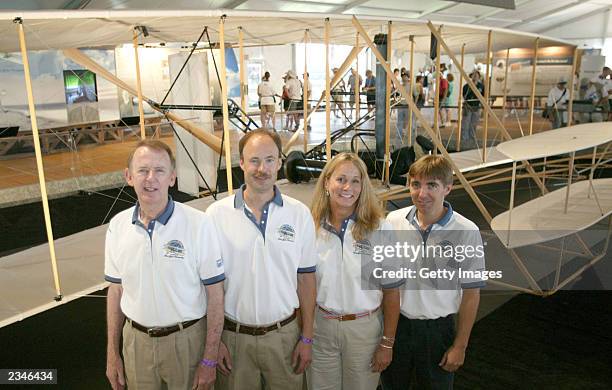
(362, 247)
(174, 249)
(219, 263)
(286, 233)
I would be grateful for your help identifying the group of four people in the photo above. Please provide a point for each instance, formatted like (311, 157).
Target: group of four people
(264, 290)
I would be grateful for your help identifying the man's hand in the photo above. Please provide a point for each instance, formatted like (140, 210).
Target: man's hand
(452, 359)
(302, 356)
(204, 378)
(381, 359)
(114, 371)
(224, 360)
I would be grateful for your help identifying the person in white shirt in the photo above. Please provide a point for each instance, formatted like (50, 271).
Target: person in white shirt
(353, 343)
(427, 343)
(354, 80)
(267, 241)
(166, 273)
(293, 88)
(267, 101)
(556, 103)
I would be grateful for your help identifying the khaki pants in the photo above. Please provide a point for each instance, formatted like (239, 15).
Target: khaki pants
(167, 362)
(261, 361)
(342, 353)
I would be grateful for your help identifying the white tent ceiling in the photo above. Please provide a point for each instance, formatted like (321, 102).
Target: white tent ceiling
(75, 29)
(564, 19)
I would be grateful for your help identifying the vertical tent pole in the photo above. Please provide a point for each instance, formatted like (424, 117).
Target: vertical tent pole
(533, 84)
(411, 88)
(388, 105)
(437, 93)
(243, 84)
(506, 82)
(460, 101)
(39, 160)
(305, 90)
(327, 93)
(357, 97)
(138, 84)
(488, 61)
(570, 104)
(226, 127)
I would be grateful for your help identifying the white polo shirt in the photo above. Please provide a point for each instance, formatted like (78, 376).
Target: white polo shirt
(262, 259)
(430, 302)
(164, 266)
(343, 280)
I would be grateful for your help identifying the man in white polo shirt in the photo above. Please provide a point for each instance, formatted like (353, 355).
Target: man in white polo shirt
(267, 241)
(165, 267)
(426, 340)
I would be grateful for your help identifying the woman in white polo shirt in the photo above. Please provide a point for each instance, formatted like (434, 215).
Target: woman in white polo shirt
(352, 343)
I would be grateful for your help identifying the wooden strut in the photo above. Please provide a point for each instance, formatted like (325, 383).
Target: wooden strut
(79, 57)
(39, 160)
(327, 93)
(460, 101)
(388, 106)
(243, 85)
(357, 84)
(488, 64)
(436, 118)
(484, 103)
(226, 127)
(305, 91)
(139, 85)
(505, 96)
(423, 122)
(533, 85)
(570, 104)
(411, 88)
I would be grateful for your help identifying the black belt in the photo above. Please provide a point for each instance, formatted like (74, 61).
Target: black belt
(256, 330)
(159, 331)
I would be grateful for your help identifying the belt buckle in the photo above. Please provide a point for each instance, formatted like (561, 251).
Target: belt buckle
(347, 317)
(152, 332)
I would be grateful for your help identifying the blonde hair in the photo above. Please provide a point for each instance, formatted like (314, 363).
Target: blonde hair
(368, 211)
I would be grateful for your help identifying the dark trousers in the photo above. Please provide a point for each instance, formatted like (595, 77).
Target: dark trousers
(419, 347)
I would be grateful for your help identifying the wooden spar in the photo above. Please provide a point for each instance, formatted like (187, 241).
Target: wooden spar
(484, 103)
(305, 91)
(460, 101)
(436, 118)
(357, 85)
(570, 104)
(243, 85)
(139, 85)
(533, 85)
(412, 78)
(487, 95)
(505, 96)
(226, 127)
(388, 106)
(77, 56)
(39, 160)
(327, 93)
(423, 122)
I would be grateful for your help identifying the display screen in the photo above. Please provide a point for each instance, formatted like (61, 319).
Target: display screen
(80, 86)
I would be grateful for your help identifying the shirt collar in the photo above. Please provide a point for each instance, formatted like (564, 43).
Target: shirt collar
(411, 216)
(161, 218)
(239, 197)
